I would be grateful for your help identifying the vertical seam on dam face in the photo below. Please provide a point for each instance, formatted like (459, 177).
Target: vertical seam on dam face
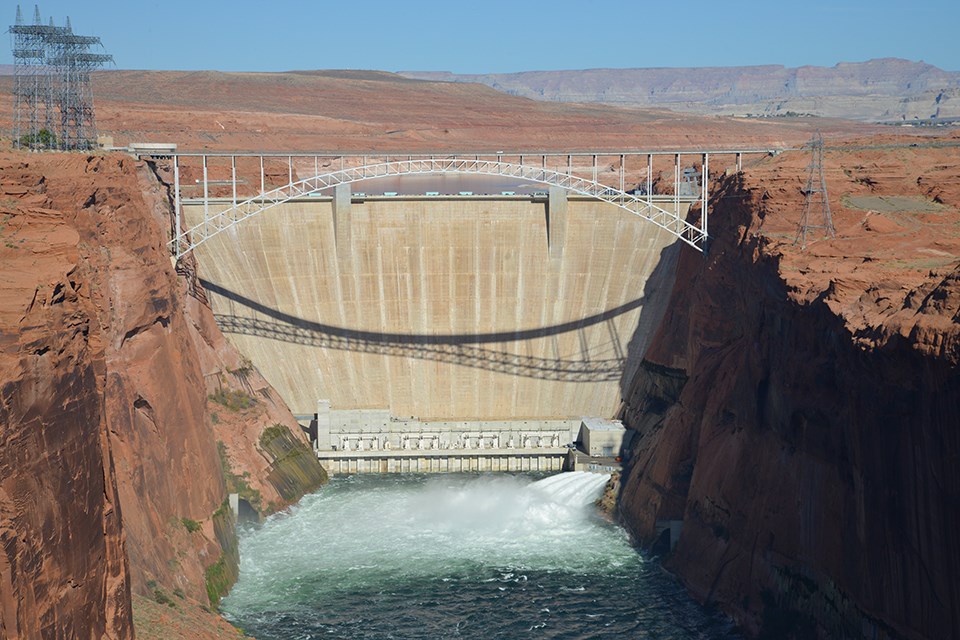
(341, 220)
(556, 222)
(441, 308)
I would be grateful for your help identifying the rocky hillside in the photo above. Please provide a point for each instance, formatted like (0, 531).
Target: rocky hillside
(798, 409)
(888, 89)
(115, 463)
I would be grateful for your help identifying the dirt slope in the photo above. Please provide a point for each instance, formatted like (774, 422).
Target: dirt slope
(380, 111)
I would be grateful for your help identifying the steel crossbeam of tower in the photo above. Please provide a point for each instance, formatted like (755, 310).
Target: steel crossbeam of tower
(816, 206)
(52, 96)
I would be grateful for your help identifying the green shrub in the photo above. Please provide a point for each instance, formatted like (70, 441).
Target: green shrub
(294, 469)
(234, 400)
(272, 433)
(245, 368)
(192, 526)
(43, 138)
(163, 598)
(217, 580)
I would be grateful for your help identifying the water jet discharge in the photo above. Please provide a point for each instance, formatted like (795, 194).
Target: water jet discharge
(495, 556)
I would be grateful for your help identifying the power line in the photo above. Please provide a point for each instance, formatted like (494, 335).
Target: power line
(816, 206)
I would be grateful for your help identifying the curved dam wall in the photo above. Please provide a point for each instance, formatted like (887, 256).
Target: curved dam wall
(442, 308)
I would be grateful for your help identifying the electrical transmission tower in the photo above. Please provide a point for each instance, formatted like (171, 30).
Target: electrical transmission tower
(52, 96)
(816, 206)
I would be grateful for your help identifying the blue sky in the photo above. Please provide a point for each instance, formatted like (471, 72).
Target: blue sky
(500, 36)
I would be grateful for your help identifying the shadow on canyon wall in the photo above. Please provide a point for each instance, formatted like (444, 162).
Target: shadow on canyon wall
(657, 291)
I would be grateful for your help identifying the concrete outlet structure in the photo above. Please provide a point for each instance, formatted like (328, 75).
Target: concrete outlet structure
(373, 441)
(443, 461)
(599, 437)
(377, 430)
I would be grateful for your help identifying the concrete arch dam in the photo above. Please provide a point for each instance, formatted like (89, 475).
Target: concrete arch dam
(442, 308)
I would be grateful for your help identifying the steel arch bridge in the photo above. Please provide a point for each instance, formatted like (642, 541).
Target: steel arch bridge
(642, 206)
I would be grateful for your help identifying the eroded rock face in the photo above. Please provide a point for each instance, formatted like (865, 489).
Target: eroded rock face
(63, 567)
(106, 366)
(167, 467)
(245, 412)
(799, 412)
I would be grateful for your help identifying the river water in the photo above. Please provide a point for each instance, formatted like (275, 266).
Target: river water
(455, 556)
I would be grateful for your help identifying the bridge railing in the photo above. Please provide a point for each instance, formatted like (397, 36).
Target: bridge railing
(644, 205)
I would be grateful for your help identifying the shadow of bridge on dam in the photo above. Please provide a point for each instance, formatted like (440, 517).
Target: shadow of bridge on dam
(460, 349)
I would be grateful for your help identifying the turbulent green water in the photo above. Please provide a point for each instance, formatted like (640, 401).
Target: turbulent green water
(455, 556)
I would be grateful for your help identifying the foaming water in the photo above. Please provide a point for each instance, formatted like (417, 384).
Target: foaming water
(577, 489)
(454, 556)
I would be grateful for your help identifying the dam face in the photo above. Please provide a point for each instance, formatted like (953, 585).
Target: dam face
(442, 307)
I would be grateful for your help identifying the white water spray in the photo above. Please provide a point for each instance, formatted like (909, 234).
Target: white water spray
(577, 489)
(369, 530)
(446, 556)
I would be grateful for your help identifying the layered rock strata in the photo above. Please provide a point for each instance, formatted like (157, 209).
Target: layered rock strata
(884, 89)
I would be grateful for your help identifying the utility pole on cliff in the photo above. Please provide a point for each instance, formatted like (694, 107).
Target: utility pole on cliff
(816, 206)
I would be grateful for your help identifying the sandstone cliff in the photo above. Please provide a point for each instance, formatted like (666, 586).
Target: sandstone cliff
(799, 410)
(113, 478)
(58, 490)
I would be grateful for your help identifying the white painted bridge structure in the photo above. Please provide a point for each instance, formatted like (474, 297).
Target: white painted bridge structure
(238, 195)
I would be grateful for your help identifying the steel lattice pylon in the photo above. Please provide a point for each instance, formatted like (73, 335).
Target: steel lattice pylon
(816, 206)
(52, 96)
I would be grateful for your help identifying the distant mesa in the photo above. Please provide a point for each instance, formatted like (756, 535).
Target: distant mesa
(886, 89)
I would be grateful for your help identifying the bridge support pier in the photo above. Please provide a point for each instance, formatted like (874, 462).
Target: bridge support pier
(341, 220)
(556, 222)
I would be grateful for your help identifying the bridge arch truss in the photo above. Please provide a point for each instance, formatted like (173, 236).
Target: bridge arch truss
(238, 210)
